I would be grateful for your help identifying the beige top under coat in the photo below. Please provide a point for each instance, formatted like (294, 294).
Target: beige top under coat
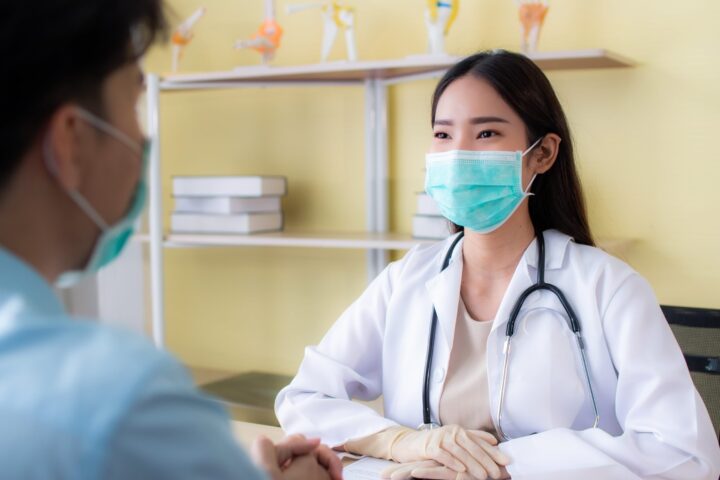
(465, 399)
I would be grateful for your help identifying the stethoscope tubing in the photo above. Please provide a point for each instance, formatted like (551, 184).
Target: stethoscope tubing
(540, 284)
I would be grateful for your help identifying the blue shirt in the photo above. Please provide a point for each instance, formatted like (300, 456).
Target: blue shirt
(84, 401)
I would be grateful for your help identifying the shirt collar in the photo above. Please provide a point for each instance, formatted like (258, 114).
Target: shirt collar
(23, 290)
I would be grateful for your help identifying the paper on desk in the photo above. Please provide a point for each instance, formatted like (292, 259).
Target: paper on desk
(366, 469)
(616, 472)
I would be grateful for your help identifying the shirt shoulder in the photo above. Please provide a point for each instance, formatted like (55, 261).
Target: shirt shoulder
(108, 404)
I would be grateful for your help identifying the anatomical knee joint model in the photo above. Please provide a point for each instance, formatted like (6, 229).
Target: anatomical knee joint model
(266, 40)
(439, 17)
(335, 18)
(532, 15)
(182, 36)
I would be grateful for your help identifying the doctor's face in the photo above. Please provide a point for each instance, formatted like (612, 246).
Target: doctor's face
(471, 115)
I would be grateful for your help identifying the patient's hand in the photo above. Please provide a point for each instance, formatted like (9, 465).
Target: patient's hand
(296, 457)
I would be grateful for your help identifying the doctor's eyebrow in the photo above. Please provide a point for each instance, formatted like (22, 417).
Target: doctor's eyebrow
(473, 121)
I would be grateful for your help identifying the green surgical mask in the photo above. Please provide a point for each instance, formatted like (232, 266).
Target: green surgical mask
(113, 238)
(478, 190)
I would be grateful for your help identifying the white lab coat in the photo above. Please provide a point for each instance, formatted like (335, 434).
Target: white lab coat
(653, 423)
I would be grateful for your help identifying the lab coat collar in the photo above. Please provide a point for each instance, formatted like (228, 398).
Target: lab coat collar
(444, 289)
(24, 291)
(556, 244)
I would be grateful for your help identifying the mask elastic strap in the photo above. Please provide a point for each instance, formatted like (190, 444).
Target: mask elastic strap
(105, 127)
(79, 200)
(527, 190)
(88, 209)
(532, 146)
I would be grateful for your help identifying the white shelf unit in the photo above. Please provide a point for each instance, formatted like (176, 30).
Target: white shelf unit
(375, 77)
(357, 241)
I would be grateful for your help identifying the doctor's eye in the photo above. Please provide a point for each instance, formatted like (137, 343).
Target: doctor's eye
(487, 134)
(441, 135)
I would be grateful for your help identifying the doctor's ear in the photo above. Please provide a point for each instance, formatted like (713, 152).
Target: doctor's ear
(61, 146)
(543, 156)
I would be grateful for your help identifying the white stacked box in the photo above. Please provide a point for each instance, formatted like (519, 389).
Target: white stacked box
(428, 222)
(228, 204)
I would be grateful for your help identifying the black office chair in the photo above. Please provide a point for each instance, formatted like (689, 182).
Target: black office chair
(697, 330)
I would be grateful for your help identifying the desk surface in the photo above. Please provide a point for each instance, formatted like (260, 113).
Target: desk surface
(245, 432)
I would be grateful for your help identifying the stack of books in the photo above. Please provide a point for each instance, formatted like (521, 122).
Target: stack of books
(428, 222)
(228, 204)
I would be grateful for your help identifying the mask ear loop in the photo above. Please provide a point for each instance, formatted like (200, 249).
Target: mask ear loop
(79, 200)
(527, 191)
(533, 146)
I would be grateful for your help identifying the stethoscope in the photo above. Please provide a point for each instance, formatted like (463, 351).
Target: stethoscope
(510, 330)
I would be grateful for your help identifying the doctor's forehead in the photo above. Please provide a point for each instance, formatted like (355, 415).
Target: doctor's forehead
(474, 100)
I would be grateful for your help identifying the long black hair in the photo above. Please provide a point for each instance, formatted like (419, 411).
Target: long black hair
(558, 201)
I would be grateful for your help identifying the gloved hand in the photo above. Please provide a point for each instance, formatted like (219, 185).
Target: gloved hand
(473, 452)
(428, 469)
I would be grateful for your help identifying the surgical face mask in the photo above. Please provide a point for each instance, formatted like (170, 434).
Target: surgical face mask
(479, 190)
(113, 238)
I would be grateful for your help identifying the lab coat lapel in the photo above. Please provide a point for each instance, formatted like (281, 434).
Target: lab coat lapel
(524, 276)
(520, 281)
(444, 292)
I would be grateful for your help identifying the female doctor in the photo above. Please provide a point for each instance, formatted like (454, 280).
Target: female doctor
(515, 347)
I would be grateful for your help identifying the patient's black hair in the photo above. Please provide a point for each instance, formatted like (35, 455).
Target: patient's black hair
(58, 51)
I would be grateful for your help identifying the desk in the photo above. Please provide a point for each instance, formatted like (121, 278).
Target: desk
(245, 432)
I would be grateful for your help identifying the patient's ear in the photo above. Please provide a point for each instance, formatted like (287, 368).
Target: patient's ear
(62, 145)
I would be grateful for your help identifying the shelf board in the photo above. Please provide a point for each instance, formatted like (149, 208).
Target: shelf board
(357, 241)
(356, 72)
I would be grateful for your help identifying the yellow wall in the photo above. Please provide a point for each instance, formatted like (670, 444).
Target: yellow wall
(647, 142)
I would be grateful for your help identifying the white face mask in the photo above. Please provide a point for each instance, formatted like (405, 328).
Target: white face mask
(112, 239)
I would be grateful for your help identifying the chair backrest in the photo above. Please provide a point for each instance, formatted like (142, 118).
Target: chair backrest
(697, 330)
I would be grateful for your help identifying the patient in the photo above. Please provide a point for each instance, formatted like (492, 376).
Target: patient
(77, 399)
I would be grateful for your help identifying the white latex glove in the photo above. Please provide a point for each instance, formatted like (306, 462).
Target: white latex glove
(428, 469)
(473, 452)
(406, 471)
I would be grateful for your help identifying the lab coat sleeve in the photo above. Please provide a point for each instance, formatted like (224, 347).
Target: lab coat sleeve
(171, 430)
(346, 364)
(667, 432)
